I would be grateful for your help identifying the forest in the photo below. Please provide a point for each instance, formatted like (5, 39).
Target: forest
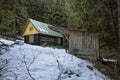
(98, 15)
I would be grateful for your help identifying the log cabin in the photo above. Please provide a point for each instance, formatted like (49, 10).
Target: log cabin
(38, 33)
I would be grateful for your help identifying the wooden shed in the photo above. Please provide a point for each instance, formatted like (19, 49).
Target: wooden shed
(38, 33)
(82, 42)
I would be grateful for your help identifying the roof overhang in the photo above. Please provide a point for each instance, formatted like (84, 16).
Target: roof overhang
(67, 30)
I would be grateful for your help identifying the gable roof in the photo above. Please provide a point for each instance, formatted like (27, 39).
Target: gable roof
(44, 29)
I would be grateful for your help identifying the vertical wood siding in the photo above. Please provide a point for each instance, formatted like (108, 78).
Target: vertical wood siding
(84, 41)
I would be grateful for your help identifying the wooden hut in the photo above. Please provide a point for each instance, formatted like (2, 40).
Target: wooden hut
(82, 42)
(38, 33)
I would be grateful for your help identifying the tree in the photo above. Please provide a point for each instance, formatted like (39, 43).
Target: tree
(118, 3)
(6, 17)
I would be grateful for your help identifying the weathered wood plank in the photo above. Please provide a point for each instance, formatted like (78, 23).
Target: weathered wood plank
(83, 41)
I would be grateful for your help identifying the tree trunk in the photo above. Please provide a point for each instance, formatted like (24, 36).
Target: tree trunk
(118, 3)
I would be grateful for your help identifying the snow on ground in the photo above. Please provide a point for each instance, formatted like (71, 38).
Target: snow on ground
(6, 41)
(24, 62)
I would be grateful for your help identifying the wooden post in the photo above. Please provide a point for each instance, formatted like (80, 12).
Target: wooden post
(115, 71)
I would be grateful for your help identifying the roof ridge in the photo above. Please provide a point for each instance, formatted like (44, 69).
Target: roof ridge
(40, 21)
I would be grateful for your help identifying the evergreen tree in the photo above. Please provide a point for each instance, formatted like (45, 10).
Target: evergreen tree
(118, 4)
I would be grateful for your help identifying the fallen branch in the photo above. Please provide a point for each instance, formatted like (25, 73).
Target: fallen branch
(59, 67)
(29, 65)
(28, 70)
(3, 65)
(3, 46)
(34, 57)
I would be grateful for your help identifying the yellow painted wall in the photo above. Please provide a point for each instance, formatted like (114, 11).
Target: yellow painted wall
(29, 29)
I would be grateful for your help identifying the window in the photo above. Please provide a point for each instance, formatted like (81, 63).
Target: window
(31, 38)
(31, 28)
(59, 40)
(47, 39)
